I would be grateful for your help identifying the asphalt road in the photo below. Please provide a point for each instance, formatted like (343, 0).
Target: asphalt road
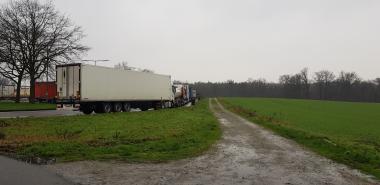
(14, 172)
(47, 113)
(39, 113)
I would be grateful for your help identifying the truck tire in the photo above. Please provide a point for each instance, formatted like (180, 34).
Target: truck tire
(193, 102)
(103, 108)
(158, 106)
(98, 108)
(126, 107)
(107, 108)
(86, 108)
(117, 107)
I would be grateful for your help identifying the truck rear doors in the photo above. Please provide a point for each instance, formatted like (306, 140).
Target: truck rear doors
(68, 82)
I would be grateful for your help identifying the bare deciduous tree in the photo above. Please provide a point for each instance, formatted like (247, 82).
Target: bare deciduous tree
(41, 37)
(11, 70)
(296, 86)
(377, 81)
(4, 81)
(304, 75)
(284, 79)
(12, 63)
(323, 79)
(348, 78)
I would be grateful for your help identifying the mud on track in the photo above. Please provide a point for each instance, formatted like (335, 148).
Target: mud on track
(246, 154)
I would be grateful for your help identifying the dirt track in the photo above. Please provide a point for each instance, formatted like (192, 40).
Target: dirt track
(247, 154)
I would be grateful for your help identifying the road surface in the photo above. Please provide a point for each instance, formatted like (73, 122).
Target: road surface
(44, 113)
(47, 113)
(14, 172)
(246, 154)
(38, 113)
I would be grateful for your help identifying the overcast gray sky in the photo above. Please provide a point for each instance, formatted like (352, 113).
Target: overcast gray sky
(216, 40)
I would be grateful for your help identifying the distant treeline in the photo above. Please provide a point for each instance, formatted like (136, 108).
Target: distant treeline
(322, 85)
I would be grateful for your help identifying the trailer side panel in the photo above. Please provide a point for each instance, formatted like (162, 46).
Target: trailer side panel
(108, 84)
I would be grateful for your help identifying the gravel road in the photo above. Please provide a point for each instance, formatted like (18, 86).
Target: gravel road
(246, 154)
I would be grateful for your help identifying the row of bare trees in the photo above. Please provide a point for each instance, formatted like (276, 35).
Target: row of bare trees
(297, 85)
(34, 37)
(323, 85)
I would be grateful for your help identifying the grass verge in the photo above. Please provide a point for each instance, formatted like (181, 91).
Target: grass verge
(139, 136)
(345, 132)
(11, 106)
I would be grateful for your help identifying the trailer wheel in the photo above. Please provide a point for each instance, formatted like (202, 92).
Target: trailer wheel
(117, 107)
(193, 102)
(98, 108)
(106, 107)
(126, 107)
(159, 105)
(103, 108)
(86, 108)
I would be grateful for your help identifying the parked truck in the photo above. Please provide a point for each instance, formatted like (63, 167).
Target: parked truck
(193, 96)
(102, 89)
(181, 95)
(184, 94)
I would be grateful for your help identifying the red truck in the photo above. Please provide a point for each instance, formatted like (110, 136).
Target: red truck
(45, 91)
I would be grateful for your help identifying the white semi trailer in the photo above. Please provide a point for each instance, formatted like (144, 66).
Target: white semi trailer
(102, 89)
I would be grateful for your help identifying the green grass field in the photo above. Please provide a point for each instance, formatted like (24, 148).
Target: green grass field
(137, 136)
(11, 106)
(346, 132)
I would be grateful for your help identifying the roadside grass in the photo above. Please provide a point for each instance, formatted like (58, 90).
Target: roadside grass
(11, 106)
(151, 136)
(345, 132)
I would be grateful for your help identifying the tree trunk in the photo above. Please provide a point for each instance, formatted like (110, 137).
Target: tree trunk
(18, 89)
(31, 92)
